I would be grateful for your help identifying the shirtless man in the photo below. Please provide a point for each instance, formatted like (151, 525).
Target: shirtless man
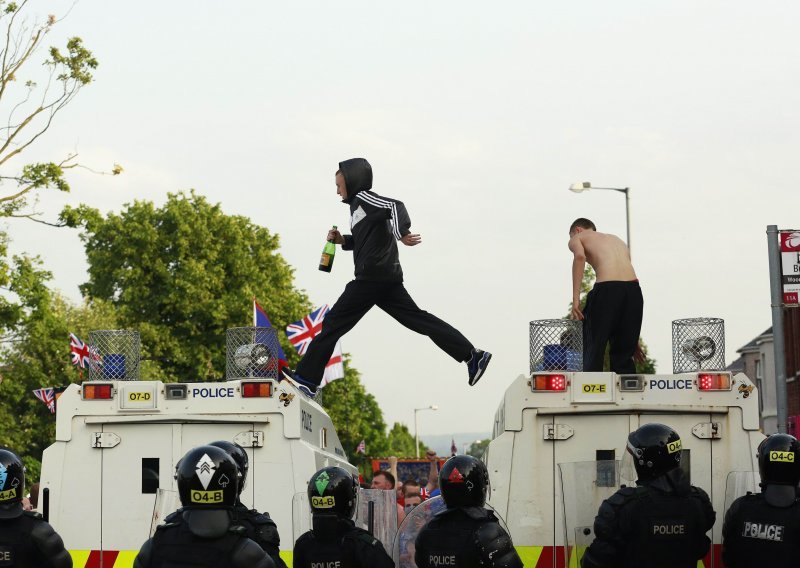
(613, 310)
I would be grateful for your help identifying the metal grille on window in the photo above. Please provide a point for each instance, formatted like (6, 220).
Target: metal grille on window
(114, 355)
(251, 352)
(698, 344)
(556, 345)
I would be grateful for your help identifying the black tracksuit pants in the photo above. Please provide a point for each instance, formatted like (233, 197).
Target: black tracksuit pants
(357, 299)
(613, 313)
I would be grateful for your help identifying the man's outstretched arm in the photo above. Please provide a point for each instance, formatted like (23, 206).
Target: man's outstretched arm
(578, 266)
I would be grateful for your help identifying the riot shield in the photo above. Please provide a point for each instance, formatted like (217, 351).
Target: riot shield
(738, 484)
(584, 486)
(377, 513)
(167, 501)
(383, 520)
(403, 549)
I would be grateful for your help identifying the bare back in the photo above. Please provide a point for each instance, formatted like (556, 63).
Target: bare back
(608, 255)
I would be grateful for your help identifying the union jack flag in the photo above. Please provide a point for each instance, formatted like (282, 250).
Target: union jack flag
(300, 333)
(47, 396)
(82, 355)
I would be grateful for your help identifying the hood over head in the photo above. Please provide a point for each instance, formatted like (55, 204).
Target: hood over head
(357, 176)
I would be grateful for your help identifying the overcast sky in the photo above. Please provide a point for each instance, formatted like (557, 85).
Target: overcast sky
(478, 116)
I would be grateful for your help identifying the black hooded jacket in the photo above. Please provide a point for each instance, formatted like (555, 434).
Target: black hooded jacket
(376, 222)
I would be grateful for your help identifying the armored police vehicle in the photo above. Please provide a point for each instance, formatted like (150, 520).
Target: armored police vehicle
(559, 436)
(109, 476)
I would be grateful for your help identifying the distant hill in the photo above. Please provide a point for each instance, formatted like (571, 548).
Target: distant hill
(442, 443)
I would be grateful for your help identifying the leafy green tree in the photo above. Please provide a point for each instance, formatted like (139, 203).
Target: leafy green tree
(644, 363)
(34, 88)
(184, 273)
(355, 414)
(38, 356)
(402, 442)
(477, 448)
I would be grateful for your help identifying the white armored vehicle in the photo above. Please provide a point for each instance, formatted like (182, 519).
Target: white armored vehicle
(559, 437)
(118, 439)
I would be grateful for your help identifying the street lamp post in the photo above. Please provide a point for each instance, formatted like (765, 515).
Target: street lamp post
(583, 186)
(416, 430)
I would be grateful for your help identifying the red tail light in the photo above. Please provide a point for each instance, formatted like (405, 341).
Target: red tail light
(101, 391)
(552, 383)
(257, 390)
(713, 381)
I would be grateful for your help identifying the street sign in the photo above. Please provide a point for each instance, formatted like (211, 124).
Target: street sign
(790, 263)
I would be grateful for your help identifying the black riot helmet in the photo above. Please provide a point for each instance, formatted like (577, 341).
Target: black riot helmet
(12, 484)
(779, 466)
(239, 455)
(332, 490)
(656, 449)
(464, 482)
(207, 479)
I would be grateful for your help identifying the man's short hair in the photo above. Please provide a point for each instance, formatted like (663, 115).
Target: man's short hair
(583, 223)
(389, 477)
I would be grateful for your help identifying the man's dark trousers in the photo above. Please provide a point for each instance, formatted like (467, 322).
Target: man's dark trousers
(613, 313)
(357, 299)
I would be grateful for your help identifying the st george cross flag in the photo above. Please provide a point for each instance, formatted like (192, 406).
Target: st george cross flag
(362, 447)
(47, 396)
(335, 367)
(261, 319)
(82, 355)
(300, 334)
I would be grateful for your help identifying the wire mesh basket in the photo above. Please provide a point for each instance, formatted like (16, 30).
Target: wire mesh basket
(698, 344)
(251, 352)
(114, 355)
(556, 345)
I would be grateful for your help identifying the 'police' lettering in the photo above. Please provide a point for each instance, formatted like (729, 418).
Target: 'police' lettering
(763, 531)
(10, 494)
(306, 417)
(332, 564)
(781, 457)
(215, 392)
(440, 560)
(669, 529)
(206, 496)
(7, 556)
(671, 384)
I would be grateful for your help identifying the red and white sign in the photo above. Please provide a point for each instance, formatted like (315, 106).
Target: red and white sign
(790, 264)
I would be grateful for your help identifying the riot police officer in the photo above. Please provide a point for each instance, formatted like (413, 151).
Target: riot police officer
(259, 526)
(660, 523)
(764, 529)
(334, 539)
(204, 534)
(26, 540)
(464, 534)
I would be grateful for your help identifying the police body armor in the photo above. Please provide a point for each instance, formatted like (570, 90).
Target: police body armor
(338, 543)
(176, 546)
(466, 537)
(756, 533)
(29, 542)
(668, 529)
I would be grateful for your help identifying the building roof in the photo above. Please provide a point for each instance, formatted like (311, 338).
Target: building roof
(752, 345)
(737, 366)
